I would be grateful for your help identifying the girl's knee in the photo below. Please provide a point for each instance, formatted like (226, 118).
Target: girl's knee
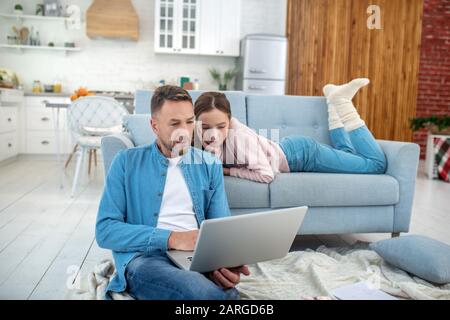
(379, 166)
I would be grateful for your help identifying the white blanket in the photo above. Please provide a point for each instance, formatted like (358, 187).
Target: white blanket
(93, 285)
(302, 274)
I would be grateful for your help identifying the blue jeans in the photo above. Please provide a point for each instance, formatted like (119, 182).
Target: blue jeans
(355, 151)
(155, 277)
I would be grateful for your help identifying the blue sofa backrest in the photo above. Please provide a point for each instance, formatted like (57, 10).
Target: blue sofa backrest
(291, 115)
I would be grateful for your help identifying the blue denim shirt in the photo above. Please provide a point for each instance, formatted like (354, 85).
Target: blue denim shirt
(131, 201)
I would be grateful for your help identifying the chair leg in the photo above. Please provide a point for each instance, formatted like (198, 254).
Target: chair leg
(395, 234)
(71, 155)
(90, 161)
(95, 157)
(80, 161)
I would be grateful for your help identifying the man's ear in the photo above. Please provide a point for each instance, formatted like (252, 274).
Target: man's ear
(154, 125)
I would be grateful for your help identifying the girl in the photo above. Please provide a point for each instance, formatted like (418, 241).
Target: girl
(248, 155)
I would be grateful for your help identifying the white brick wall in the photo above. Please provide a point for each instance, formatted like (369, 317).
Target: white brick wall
(123, 65)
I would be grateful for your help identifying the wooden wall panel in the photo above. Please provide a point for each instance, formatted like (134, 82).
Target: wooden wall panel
(329, 42)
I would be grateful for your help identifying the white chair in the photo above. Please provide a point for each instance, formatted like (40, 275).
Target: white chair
(90, 118)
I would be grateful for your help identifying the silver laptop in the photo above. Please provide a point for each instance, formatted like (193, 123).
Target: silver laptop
(243, 239)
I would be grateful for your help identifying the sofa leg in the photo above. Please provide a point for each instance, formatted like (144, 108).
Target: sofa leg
(395, 234)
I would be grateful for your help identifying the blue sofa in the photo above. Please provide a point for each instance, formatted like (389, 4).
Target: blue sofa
(338, 203)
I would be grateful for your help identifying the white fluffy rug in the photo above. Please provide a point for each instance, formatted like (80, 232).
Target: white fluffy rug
(317, 273)
(302, 274)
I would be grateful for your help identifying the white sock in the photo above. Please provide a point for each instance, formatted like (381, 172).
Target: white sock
(340, 97)
(334, 121)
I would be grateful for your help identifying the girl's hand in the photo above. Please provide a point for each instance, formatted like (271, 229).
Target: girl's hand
(226, 171)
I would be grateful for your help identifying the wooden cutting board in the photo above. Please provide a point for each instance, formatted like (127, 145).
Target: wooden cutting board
(112, 19)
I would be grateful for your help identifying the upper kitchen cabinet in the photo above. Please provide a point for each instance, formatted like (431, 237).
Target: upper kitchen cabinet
(176, 26)
(220, 27)
(207, 27)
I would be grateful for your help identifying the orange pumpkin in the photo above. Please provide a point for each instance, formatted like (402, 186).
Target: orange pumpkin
(82, 91)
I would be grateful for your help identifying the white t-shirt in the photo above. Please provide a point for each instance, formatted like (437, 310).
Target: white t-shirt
(177, 209)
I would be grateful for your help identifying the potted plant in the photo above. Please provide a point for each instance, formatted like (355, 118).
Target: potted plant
(224, 80)
(18, 9)
(435, 124)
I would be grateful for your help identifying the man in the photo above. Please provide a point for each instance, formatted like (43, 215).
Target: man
(154, 200)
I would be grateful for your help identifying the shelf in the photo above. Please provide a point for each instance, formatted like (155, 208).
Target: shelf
(21, 47)
(35, 17)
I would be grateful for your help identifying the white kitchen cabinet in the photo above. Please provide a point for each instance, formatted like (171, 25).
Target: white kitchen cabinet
(39, 126)
(177, 26)
(11, 97)
(8, 145)
(43, 142)
(220, 27)
(10, 103)
(206, 27)
(9, 118)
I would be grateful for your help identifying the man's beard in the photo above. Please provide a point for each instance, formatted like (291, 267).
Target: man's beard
(176, 149)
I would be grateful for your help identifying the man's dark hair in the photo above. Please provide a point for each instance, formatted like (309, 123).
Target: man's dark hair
(168, 92)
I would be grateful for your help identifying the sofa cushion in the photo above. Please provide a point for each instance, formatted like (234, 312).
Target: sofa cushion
(332, 189)
(246, 194)
(427, 258)
(138, 125)
(236, 98)
(292, 115)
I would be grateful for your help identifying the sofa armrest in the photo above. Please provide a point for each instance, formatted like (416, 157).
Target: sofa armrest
(402, 163)
(111, 145)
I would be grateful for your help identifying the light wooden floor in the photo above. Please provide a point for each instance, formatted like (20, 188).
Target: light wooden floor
(46, 236)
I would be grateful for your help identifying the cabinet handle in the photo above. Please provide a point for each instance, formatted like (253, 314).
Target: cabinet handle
(45, 142)
(9, 119)
(257, 71)
(45, 119)
(256, 87)
(217, 51)
(9, 145)
(221, 52)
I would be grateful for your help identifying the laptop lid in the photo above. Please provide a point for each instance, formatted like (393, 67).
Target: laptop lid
(246, 239)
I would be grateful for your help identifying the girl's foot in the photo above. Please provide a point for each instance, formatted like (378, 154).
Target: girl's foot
(344, 92)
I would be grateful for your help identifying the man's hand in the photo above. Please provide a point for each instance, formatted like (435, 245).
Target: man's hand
(229, 278)
(226, 171)
(183, 240)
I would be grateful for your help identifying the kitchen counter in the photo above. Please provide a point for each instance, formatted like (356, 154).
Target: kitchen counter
(47, 94)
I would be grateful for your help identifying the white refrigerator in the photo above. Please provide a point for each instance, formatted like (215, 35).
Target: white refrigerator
(262, 64)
